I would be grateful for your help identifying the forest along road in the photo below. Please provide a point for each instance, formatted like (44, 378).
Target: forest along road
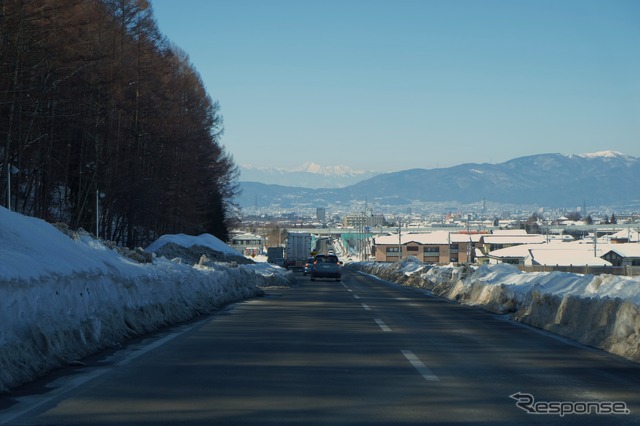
(358, 352)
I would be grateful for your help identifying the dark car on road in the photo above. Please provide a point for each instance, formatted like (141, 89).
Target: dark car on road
(326, 266)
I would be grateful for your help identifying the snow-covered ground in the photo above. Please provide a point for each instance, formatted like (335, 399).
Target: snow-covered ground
(65, 295)
(601, 311)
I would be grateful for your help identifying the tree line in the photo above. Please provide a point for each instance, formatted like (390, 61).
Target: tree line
(102, 119)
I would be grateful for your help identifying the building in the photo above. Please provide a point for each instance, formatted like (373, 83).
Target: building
(500, 240)
(440, 247)
(443, 247)
(625, 236)
(562, 255)
(357, 221)
(247, 244)
(623, 254)
(550, 254)
(321, 215)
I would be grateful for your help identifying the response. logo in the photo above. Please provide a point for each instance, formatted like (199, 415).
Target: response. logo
(526, 402)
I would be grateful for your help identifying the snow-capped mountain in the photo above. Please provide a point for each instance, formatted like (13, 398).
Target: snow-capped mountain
(553, 180)
(309, 175)
(606, 154)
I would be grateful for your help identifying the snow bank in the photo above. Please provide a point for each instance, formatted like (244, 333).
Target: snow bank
(600, 311)
(64, 298)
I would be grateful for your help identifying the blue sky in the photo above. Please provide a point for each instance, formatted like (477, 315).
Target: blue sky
(391, 85)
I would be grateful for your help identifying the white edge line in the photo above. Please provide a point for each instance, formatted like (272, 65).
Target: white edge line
(73, 382)
(419, 365)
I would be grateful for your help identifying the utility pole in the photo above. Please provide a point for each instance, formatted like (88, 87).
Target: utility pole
(9, 186)
(469, 236)
(97, 214)
(399, 239)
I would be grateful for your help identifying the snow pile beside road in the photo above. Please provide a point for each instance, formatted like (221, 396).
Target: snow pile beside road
(190, 249)
(64, 298)
(601, 311)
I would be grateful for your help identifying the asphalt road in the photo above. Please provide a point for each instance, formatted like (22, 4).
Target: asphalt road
(359, 352)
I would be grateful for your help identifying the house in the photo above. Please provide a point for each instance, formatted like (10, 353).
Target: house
(500, 240)
(515, 255)
(623, 254)
(565, 256)
(624, 236)
(549, 254)
(436, 247)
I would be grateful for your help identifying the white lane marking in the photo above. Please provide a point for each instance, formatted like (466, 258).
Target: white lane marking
(366, 307)
(349, 290)
(419, 365)
(382, 325)
(356, 296)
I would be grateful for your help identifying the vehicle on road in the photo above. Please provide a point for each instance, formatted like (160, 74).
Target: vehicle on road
(326, 266)
(308, 265)
(274, 254)
(297, 249)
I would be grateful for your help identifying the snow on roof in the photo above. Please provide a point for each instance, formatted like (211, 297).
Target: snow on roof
(560, 238)
(430, 238)
(563, 257)
(554, 254)
(245, 236)
(514, 239)
(630, 234)
(521, 251)
(625, 250)
(509, 232)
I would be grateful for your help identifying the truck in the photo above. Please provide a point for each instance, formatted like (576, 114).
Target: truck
(275, 255)
(298, 249)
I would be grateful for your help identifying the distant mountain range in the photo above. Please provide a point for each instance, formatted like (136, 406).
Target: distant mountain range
(549, 180)
(309, 175)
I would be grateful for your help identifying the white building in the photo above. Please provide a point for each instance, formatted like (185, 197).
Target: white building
(247, 244)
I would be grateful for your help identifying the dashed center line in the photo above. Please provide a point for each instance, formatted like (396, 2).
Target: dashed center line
(419, 365)
(356, 296)
(382, 325)
(366, 307)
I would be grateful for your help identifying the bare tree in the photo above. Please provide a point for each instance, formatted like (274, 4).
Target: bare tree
(94, 101)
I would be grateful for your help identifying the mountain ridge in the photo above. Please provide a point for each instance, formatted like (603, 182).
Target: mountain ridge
(554, 180)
